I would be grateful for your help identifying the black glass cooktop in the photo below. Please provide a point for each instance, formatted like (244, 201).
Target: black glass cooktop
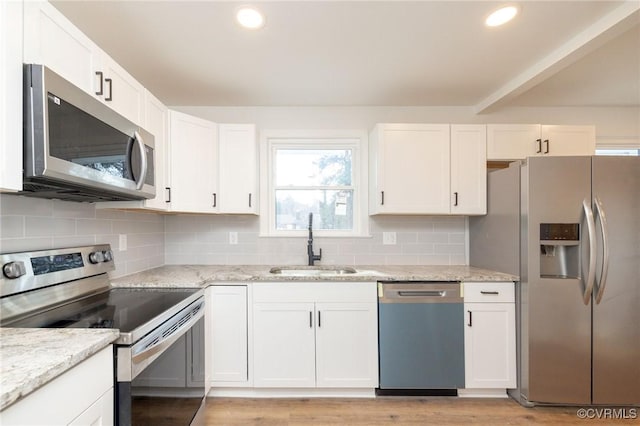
(123, 308)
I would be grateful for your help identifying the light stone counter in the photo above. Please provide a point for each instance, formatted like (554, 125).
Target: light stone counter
(31, 357)
(204, 275)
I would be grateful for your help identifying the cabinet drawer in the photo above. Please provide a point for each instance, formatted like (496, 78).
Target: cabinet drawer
(489, 292)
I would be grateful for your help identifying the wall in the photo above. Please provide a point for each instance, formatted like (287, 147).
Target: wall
(38, 224)
(420, 241)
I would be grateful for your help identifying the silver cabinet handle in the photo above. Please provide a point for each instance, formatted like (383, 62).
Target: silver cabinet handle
(143, 160)
(605, 248)
(591, 275)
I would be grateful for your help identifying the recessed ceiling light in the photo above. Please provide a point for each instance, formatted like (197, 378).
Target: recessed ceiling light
(250, 18)
(501, 16)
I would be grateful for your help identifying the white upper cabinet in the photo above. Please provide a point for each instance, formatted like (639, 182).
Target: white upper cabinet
(519, 141)
(468, 169)
(11, 99)
(118, 89)
(568, 140)
(193, 158)
(427, 169)
(155, 121)
(238, 168)
(409, 169)
(52, 40)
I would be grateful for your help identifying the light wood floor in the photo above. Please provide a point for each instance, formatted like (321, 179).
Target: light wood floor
(387, 410)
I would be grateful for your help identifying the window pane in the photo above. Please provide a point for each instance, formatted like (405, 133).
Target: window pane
(618, 151)
(331, 209)
(310, 167)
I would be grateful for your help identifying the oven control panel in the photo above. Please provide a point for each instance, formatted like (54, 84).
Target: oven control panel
(31, 270)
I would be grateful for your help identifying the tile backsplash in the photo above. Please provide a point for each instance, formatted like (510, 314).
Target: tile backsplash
(154, 239)
(38, 224)
(420, 240)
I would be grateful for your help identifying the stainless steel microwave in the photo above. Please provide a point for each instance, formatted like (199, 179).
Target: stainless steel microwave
(77, 148)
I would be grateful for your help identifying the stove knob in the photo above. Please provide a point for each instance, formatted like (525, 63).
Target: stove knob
(96, 257)
(108, 255)
(14, 270)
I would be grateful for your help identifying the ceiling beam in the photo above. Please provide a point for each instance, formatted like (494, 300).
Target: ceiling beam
(599, 33)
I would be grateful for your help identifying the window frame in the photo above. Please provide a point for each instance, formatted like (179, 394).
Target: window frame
(355, 140)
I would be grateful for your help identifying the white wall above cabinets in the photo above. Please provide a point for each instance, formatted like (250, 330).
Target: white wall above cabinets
(11, 99)
(519, 141)
(489, 337)
(52, 40)
(427, 169)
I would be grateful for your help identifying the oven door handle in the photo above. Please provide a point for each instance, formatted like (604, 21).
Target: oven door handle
(161, 345)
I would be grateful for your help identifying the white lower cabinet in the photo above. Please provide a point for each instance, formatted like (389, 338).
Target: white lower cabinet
(489, 336)
(229, 335)
(315, 335)
(80, 396)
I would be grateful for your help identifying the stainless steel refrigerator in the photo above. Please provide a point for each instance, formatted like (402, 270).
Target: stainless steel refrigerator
(570, 227)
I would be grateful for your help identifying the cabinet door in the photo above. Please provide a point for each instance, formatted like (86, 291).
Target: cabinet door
(468, 169)
(156, 123)
(568, 140)
(238, 168)
(11, 100)
(284, 345)
(412, 166)
(193, 159)
(489, 344)
(52, 40)
(100, 413)
(346, 345)
(229, 333)
(513, 141)
(120, 90)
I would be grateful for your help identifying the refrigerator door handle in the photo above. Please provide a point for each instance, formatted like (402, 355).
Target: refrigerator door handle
(591, 275)
(605, 249)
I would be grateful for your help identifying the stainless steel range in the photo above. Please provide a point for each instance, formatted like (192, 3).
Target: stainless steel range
(159, 356)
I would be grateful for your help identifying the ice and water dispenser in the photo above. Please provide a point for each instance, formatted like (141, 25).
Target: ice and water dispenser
(559, 250)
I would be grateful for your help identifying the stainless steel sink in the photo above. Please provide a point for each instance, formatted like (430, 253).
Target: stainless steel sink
(312, 271)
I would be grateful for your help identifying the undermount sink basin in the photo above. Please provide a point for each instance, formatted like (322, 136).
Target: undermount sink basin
(312, 271)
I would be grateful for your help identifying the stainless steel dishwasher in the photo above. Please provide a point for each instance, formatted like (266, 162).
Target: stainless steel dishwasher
(421, 338)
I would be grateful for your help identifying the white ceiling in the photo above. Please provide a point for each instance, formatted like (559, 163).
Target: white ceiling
(373, 53)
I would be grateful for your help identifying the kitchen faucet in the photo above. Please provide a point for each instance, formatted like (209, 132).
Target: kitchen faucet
(312, 257)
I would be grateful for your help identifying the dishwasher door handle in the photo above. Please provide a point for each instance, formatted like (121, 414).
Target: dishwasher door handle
(422, 293)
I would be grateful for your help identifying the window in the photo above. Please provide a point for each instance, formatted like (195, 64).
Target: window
(618, 151)
(318, 173)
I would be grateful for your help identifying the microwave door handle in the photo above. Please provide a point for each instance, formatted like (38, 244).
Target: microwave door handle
(143, 160)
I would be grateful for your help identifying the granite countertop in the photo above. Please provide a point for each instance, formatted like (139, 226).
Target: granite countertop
(31, 357)
(204, 275)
